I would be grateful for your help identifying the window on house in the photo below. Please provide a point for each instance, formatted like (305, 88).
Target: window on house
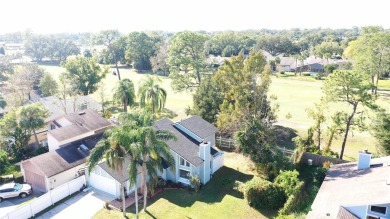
(184, 174)
(378, 209)
(184, 162)
(52, 127)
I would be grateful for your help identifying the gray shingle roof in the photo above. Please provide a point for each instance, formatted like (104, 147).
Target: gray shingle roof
(198, 126)
(184, 146)
(82, 123)
(53, 104)
(115, 174)
(65, 158)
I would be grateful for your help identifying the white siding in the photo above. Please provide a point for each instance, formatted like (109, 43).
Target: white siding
(217, 162)
(52, 142)
(101, 180)
(64, 177)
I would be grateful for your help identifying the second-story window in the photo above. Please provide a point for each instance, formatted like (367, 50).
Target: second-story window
(184, 162)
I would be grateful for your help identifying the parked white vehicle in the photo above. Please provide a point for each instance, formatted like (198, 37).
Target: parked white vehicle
(11, 190)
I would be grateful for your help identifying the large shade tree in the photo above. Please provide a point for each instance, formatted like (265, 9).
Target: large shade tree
(13, 137)
(371, 54)
(140, 47)
(187, 58)
(151, 94)
(114, 50)
(85, 73)
(351, 88)
(124, 92)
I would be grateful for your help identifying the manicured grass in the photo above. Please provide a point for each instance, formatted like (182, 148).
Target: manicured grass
(293, 96)
(384, 85)
(176, 102)
(217, 199)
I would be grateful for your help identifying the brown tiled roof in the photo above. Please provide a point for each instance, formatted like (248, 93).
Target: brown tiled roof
(65, 158)
(82, 122)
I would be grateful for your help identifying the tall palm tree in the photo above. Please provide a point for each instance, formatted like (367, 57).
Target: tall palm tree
(152, 94)
(32, 117)
(114, 152)
(151, 146)
(125, 93)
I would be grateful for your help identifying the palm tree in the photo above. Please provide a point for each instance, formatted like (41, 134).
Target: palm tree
(151, 146)
(124, 92)
(151, 94)
(114, 153)
(33, 117)
(3, 103)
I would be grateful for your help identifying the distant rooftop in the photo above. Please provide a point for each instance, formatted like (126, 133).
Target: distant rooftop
(80, 123)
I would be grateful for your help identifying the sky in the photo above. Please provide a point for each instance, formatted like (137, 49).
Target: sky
(53, 16)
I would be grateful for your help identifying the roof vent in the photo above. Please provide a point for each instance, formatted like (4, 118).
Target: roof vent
(81, 113)
(83, 147)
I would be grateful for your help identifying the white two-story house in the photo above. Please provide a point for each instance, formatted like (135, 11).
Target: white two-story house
(194, 150)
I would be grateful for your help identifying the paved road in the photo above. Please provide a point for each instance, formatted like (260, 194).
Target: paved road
(83, 205)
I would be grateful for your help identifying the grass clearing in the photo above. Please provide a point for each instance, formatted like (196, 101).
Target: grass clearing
(294, 95)
(217, 199)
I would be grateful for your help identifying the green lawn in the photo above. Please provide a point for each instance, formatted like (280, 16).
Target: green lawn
(176, 102)
(384, 85)
(293, 97)
(217, 199)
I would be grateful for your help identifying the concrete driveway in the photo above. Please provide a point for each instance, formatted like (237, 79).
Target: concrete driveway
(10, 204)
(83, 205)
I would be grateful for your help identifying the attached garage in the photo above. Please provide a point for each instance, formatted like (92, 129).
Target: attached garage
(33, 176)
(101, 180)
(107, 180)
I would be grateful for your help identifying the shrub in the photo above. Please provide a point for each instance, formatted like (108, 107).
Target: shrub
(107, 114)
(39, 151)
(288, 181)
(319, 174)
(195, 182)
(306, 74)
(281, 72)
(263, 194)
(295, 200)
(4, 163)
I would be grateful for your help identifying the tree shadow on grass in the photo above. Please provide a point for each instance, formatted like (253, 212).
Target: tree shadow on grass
(223, 183)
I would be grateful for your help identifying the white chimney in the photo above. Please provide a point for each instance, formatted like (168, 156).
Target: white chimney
(204, 154)
(364, 160)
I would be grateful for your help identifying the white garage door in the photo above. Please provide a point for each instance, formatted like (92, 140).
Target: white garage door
(99, 179)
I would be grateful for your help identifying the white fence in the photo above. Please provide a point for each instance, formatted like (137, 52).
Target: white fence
(218, 161)
(46, 200)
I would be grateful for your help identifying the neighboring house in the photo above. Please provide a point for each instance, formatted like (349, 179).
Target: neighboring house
(59, 107)
(286, 64)
(54, 168)
(194, 151)
(355, 190)
(74, 126)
